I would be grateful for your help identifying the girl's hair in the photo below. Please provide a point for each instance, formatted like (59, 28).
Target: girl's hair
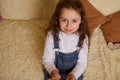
(77, 6)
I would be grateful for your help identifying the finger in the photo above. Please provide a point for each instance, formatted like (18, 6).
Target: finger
(53, 78)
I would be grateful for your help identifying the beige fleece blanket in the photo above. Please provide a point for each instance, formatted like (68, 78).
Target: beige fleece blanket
(21, 49)
(103, 62)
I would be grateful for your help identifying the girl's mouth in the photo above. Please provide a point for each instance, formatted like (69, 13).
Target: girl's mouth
(68, 30)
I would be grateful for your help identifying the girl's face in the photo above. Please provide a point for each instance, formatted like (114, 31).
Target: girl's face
(69, 21)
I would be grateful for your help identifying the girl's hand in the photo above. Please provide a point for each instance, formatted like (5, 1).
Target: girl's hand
(55, 75)
(71, 77)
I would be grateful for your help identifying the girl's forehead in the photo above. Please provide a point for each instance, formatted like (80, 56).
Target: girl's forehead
(69, 13)
(65, 10)
(72, 9)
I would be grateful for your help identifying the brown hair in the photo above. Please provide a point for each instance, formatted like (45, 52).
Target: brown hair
(77, 6)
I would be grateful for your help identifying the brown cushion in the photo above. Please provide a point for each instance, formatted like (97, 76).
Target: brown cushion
(111, 29)
(94, 17)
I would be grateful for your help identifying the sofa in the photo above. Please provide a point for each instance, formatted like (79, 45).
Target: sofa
(22, 36)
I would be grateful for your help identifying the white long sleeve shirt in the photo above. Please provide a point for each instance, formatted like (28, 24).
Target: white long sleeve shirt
(67, 44)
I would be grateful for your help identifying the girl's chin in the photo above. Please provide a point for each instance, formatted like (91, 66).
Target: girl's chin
(69, 33)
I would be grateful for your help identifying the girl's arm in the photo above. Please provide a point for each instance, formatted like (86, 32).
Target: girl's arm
(49, 54)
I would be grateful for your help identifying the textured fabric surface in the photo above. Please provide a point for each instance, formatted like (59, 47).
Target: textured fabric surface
(26, 9)
(103, 62)
(21, 48)
(113, 46)
(106, 7)
(20, 9)
(111, 29)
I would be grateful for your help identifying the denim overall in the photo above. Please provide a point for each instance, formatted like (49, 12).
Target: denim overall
(64, 62)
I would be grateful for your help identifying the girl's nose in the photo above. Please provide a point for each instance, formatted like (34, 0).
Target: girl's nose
(68, 24)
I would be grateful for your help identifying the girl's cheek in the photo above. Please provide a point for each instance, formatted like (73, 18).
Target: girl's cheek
(63, 25)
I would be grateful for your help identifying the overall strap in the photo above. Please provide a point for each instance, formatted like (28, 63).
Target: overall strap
(56, 43)
(78, 46)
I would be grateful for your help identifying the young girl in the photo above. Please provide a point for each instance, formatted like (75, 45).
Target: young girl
(66, 47)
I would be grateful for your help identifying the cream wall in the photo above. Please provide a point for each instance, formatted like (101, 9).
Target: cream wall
(106, 7)
(26, 9)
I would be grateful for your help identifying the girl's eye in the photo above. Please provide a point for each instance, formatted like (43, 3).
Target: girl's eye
(74, 21)
(64, 20)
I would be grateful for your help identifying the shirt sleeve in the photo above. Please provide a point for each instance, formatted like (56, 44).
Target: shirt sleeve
(49, 54)
(82, 60)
